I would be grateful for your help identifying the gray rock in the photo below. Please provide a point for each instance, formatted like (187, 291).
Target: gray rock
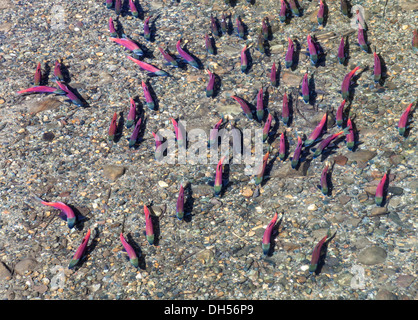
(4, 272)
(25, 265)
(113, 172)
(405, 280)
(372, 255)
(384, 294)
(362, 156)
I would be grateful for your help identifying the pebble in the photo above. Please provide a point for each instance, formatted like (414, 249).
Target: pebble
(372, 255)
(5, 272)
(247, 192)
(25, 265)
(378, 211)
(163, 184)
(113, 172)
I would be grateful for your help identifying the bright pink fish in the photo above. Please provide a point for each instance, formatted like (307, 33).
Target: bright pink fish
(57, 72)
(244, 107)
(317, 253)
(131, 114)
(148, 97)
(218, 177)
(380, 190)
(112, 29)
(345, 86)
(128, 44)
(317, 132)
(339, 115)
(113, 127)
(133, 258)
(145, 66)
(289, 54)
(404, 120)
(147, 31)
(267, 126)
(65, 209)
(149, 229)
(80, 251)
(189, 59)
(70, 95)
(267, 235)
(260, 106)
(42, 89)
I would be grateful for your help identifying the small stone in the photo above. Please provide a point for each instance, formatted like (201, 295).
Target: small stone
(344, 199)
(5, 272)
(25, 265)
(361, 156)
(340, 160)
(46, 104)
(379, 211)
(291, 79)
(405, 280)
(113, 172)
(48, 136)
(384, 294)
(162, 184)
(396, 159)
(247, 192)
(205, 256)
(312, 207)
(372, 255)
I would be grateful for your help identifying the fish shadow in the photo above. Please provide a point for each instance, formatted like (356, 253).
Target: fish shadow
(229, 24)
(383, 69)
(213, 43)
(217, 85)
(141, 133)
(296, 55)
(249, 61)
(119, 128)
(266, 97)
(290, 101)
(312, 92)
(233, 3)
(353, 83)
(267, 170)
(83, 101)
(278, 71)
(153, 28)
(300, 8)
(141, 13)
(326, 14)
(65, 73)
(188, 203)
(80, 219)
(346, 51)
(138, 251)
(269, 29)
(45, 74)
(322, 55)
(119, 28)
(409, 122)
